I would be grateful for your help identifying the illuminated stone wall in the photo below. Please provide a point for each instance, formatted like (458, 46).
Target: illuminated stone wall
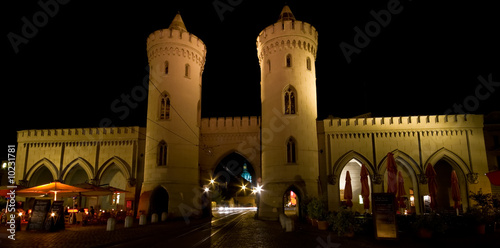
(176, 58)
(415, 141)
(77, 155)
(287, 53)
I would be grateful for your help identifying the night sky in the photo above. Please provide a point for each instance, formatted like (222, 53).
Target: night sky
(84, 55)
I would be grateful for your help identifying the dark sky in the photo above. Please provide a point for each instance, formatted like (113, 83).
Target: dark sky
(86, 54)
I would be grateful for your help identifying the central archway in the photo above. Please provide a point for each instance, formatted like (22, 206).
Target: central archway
(234, 178)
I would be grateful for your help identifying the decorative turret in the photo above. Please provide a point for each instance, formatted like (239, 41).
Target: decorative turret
(176, 59)
(287, 51)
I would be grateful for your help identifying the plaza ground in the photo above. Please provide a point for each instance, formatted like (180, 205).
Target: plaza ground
(236, 228)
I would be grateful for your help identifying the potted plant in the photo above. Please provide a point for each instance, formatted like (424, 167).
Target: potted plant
(429, 224)
(482, 212)
(344, 223)
(316, 209)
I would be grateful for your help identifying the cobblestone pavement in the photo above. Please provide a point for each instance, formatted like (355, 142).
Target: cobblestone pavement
(232, 230)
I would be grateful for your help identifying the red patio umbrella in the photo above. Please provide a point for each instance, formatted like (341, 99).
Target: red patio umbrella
(392, 183)
(365, 189)
(348, 189)
(430, 173)
(494, 177)
(455, 190)
(401, 191)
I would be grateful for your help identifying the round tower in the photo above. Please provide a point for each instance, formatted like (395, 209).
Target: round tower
(171, 178)
(287, 52)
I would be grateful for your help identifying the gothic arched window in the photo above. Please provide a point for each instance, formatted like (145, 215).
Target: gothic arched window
(291, 151)
(166, 67)
(290, 101)
(162, 153)
(164, 107)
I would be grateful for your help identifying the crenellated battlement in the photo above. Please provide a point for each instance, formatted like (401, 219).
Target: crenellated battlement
(230, 124)
(176, 42)
(404, 122)
(287, 35)
(79, 134)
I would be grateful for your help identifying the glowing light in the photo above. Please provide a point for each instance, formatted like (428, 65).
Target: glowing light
(4, 165)
(412, 201)
(259, 188)
(53, 214)
(360, 199)
(207, 189)
(212, 181)
(243, 187)
(20, 214)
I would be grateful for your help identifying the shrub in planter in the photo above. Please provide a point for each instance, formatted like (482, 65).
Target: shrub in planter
(316, 209)
(430, 224)
(344, 223)
(482, 213)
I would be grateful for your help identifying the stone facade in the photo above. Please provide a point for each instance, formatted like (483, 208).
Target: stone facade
(165, 165)
(113, 156)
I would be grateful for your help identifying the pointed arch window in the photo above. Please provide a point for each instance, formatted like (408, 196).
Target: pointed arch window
(291, 151)
(166, 67)
(308, 63)
(164, 107)
(290, 101)
(288, 60)
(162, 153)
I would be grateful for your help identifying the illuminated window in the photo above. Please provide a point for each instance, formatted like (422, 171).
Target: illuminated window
(308, 63)
(162, 153)
(291, 151)
(166, 67)
(288, 60)
(164, 107)
(187, 70)
(290, 101)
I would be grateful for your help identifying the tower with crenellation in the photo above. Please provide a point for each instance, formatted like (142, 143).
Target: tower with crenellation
(287, 52)
(176, 59)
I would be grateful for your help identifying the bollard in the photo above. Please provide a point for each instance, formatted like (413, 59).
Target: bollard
(111, 224)
(282, 220)
(164, 216)
(142, 220)
(129, 221)
(154, 218)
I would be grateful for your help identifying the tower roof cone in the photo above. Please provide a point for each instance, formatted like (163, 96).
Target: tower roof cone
(286, 14)
(177, 23)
